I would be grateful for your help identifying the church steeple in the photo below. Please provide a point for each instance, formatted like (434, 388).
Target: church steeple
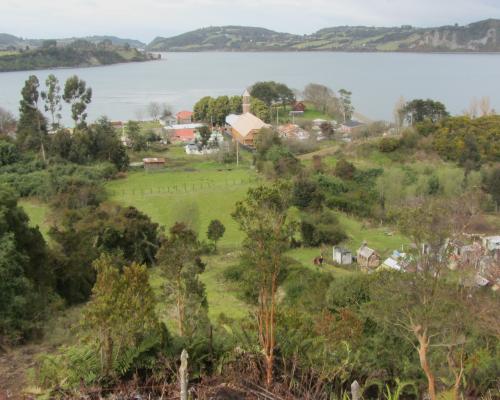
(246, 102)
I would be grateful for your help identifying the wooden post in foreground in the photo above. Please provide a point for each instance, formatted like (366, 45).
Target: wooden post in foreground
(355, 389)
(183, 375)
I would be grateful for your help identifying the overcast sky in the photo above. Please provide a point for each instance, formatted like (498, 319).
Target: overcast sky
(146, 19)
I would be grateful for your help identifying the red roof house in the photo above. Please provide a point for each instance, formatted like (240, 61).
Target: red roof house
(184, 117)
(183, 135)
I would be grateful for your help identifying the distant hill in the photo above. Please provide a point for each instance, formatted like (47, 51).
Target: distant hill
(11, 42)
(79, 53)
(483, 36)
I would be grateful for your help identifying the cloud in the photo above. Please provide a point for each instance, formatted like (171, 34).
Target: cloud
(147, 18)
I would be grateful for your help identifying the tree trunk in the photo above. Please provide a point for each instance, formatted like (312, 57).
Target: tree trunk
(108, 354)
(423, 348)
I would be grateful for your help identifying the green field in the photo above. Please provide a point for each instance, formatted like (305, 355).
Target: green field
(38, 213)
(196, 190)
(199, 196)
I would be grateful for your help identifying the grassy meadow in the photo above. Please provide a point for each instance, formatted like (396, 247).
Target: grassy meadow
(197, 189)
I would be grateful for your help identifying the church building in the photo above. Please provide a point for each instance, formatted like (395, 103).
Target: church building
(245, 126)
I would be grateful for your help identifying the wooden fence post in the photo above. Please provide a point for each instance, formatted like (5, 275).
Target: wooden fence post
(355, 391)
(184, 375)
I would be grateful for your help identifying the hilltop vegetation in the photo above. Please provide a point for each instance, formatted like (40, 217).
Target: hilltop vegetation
(79, 53)
(11, 42)
(478, 37)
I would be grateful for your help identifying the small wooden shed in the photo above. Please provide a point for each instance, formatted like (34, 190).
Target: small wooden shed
(151, 164)
(342, 256)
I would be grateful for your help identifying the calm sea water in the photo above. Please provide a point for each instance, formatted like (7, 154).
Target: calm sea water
(377, 80)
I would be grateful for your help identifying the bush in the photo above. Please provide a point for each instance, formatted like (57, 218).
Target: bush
(9, 153)
(344, 169)
(388, 145)
(321, 228)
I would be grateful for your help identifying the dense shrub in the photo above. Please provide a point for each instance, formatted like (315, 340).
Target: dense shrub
(321, 228)
(388, 145)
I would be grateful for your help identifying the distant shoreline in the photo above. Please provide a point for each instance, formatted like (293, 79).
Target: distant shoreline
(79, 66)
(329, 51)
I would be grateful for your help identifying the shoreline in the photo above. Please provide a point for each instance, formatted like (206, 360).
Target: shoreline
(79, 66)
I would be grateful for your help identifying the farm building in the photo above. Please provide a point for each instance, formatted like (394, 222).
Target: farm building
(367, 257)
(151, 164)
(342, 256)
(184, 117)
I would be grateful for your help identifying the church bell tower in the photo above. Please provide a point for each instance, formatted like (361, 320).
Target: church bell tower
(246, 102)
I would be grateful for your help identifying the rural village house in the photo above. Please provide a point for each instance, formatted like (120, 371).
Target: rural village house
(184, 117)
(292, 131)
(367, 257)
(351, 126)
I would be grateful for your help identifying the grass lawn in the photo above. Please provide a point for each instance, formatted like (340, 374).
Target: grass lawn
(196, 196)
(38, 214)
(382, 239)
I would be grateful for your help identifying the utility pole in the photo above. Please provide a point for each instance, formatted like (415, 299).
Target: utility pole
(237, 152)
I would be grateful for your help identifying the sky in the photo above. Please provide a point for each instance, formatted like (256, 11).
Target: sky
(147, 19)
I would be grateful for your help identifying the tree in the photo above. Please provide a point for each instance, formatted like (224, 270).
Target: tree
(273, 92)
(235, 104)
(398, 113)
(154, 110)
(320, 95)
(262, 216)
(346, 104)
(86, 233)
(219, 109)
(78, 96)
(137, 140)
(264, 91)
(492, 184)
(7, 122)
(260, 109)
(32, 126)
(327, 129)
(321, 228)
(418, 110)
(344, 169)
(9, 153)
(180, 264)
(215, 231)
(106, 144)
(121, 312)
(26, 279)
(205, 133)
(201, 110)
(52, 98)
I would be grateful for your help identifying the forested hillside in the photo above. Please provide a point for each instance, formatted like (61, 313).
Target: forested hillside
(483, 36)
(76, 54)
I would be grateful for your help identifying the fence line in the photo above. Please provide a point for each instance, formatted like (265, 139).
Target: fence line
(186, 187)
